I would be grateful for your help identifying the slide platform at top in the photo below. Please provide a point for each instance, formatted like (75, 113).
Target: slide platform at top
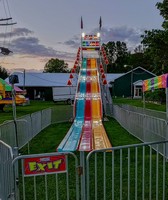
(87, 132)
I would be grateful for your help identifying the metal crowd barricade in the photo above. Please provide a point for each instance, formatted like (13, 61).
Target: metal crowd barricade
(127, 172)
(45, 118)
(6, 171)
(26, 128)
(154, 113)
(146, 128)
(47, 176)
(7, 133)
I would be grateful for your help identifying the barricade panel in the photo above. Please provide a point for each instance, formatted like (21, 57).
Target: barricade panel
(6, 171)
(127, 172)
(36, 123)
(46, 118)
(8, 134)
(47, 176)
(144, 127)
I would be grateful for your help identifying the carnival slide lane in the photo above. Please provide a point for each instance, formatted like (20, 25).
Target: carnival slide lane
(72, 138)
(100, 139)
(87, 132)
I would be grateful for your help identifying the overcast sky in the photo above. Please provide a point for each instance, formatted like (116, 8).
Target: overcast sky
(51, 28)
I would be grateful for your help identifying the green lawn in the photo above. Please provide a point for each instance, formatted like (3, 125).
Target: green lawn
(48, 140)
(139, 103)
(39, 105)
(28, 109)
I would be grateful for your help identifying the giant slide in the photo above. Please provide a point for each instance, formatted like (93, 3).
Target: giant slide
(87, 131)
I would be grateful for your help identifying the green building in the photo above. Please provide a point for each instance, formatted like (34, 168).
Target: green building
(130, 84)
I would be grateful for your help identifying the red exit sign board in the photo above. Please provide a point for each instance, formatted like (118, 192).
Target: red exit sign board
(44, 165)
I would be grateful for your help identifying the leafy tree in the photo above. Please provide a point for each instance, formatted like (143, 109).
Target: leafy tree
(139, 49)
(3, 73)
(110, 49)
(117, 54)
(122, 55)
(163, 7)
(56, 66)
(156, 41)
(137, 59)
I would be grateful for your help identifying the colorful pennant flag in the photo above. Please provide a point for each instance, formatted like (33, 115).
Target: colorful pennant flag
(155, 83)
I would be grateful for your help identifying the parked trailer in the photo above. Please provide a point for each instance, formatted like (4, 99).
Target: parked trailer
(65, 93)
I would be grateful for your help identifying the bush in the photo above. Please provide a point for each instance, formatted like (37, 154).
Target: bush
(156, 96)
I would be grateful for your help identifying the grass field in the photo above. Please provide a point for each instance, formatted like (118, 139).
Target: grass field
(28, 109)
(39, 105)
(139, 103)
(48, 140)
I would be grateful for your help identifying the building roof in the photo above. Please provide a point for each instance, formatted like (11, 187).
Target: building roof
(34, 79)
(135, 70)
(138, 83)
(43, 79)
(112, 77)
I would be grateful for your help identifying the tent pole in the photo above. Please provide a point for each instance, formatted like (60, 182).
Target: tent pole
(143, 100)
(167, 103)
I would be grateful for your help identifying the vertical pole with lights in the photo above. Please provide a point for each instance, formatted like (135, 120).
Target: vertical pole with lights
(12, 80)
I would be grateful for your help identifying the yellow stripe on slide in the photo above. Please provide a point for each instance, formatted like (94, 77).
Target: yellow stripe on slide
(100, 139)
(96, 109)
(94, 87)
(93, 63)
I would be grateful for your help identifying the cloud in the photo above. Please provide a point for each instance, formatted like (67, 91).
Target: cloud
(131, 36)
(25, 45)
(31, 46)
(74, 42)
(16, 33)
